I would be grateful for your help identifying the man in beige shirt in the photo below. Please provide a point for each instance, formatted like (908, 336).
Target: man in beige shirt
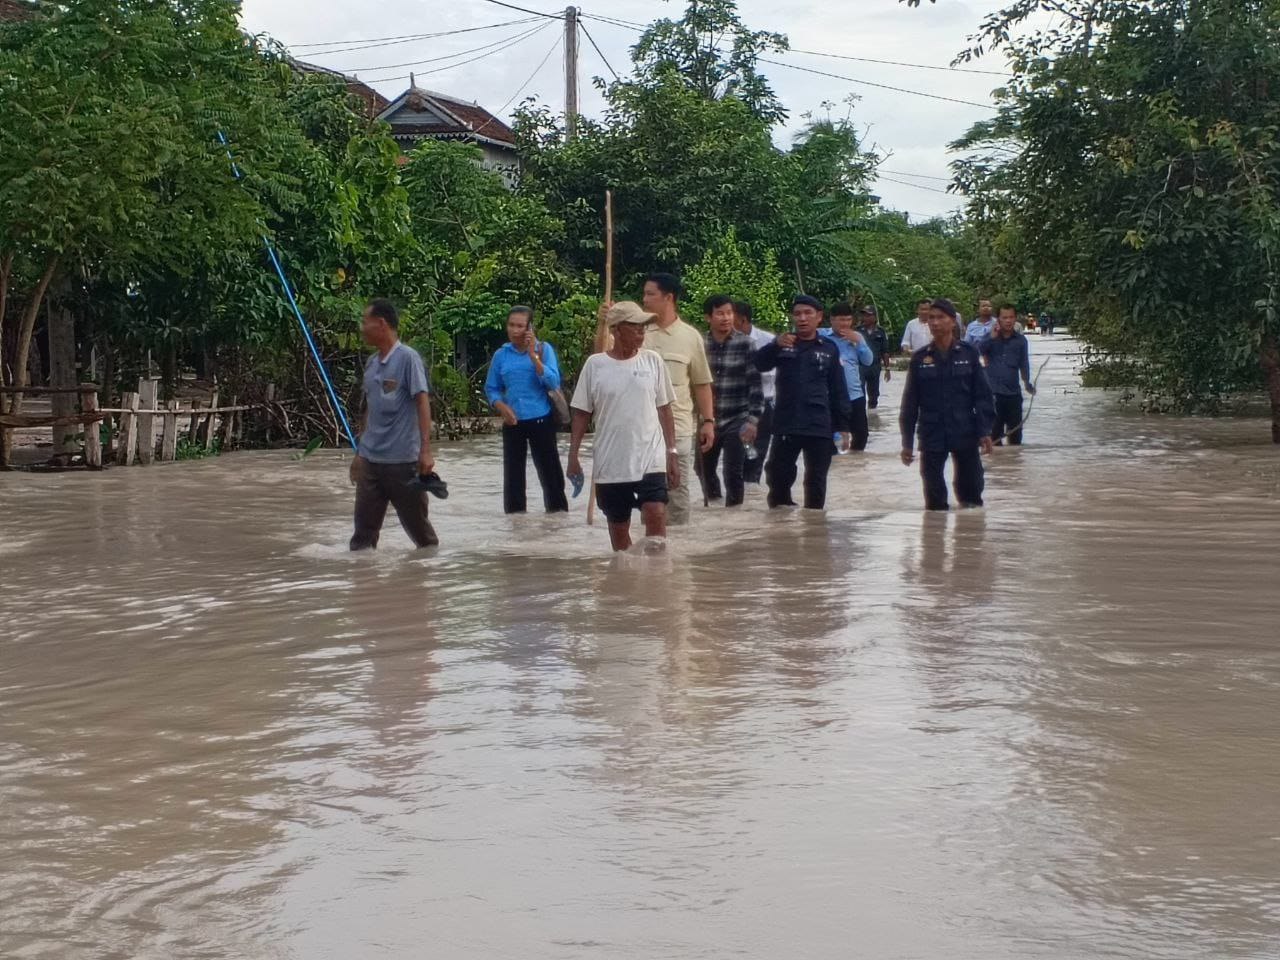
(685, 353)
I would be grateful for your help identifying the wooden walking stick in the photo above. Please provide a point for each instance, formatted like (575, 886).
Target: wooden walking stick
(602, 331)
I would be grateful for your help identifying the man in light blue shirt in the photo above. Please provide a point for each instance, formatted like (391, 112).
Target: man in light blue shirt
(521, 374)
(981, 328)
(395, 434)
(855, 356)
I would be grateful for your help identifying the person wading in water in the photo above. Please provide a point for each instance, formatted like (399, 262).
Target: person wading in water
(395, 434)
(635, 459)
(1008, 358)
(681, 347)
(520, 374)
(947, 394)
(813, 404)
(739, 400)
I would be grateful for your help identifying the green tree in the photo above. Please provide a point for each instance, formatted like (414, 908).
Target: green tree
(109, 150)
(692, 51)
(729, 266)
(1133, 166)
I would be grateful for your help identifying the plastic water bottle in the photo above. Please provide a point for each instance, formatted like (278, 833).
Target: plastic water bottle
(838, 440)
(750, 449)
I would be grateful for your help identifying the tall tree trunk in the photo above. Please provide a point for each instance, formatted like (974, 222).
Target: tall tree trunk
(1271, 367)
(28, 328)
(62, 359)
(6, 268)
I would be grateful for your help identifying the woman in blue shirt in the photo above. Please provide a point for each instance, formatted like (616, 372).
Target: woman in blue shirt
(521, 373)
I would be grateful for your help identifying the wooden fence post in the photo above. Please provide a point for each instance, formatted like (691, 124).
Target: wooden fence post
(169, 438)
(228, 426)
(208, 426)
(92, 431)
(127, 446)
(148, 389)
(194, 424)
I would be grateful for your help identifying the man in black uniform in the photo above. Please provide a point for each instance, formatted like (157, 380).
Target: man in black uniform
(812, 405)
(948, 395)
(878, 341)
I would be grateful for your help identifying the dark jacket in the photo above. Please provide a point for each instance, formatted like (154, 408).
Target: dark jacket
(812, 399)
(1007, 359)
(948, 396)
(877, 340)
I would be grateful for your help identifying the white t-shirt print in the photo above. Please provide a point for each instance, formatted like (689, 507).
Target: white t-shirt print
(624, 396)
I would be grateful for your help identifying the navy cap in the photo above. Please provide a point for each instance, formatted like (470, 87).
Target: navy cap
(946, 306)
(804, 300)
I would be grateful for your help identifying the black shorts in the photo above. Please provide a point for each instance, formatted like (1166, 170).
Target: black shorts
(617, 500)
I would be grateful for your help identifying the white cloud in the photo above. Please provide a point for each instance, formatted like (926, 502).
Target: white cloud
(915, 130)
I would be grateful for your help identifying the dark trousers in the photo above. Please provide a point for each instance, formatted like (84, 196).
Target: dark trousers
(781, 470)
(754, 468)
(728, 441)
(967, 477)
(1008, 419)
(539, 438)
(379, 484)
(871, 384)
(858, 423)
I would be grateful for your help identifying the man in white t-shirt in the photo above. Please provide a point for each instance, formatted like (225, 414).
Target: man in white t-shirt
(635, 458)
(917, 334)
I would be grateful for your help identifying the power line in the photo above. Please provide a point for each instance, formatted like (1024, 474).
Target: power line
(922, 176)
(588, 35)
(900, 63)
(510, 41)
(919, 186)
(881, 86)
(369, 42)
(820, 73)
(537, 70)
(536, 13)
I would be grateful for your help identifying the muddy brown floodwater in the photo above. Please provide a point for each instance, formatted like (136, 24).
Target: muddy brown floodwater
(1050, 729)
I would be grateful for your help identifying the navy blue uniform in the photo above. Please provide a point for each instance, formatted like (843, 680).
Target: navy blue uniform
(948, 398)
(878, 341)
(812, 404)
(1008, 358)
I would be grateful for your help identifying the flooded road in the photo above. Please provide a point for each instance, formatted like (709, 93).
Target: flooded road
(1050, 729)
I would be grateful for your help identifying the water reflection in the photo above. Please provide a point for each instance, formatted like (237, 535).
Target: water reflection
(1049, 721)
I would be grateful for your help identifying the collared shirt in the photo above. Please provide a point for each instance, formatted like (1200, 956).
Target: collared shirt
(947, 396)
(513, 379)
(877, 339)
(680, 345)
(739, 396)
(1007, 359)
(391, 386)
(979, 330)
(916, 335)
(813, 400)
(852, 360)
(769, 378)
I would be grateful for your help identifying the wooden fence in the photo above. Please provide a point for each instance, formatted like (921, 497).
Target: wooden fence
(134, 428)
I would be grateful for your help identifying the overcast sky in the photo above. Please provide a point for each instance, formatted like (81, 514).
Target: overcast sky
(914, 130)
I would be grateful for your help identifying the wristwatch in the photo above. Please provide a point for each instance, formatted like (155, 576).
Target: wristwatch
(673, 451)
(707, 420)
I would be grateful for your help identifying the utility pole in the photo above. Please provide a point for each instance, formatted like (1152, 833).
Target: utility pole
(570, 72)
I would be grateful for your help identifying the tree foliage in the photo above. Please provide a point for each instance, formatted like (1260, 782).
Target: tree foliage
(1133, 170)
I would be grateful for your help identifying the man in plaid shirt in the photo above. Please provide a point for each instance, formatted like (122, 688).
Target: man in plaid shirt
(739, 400)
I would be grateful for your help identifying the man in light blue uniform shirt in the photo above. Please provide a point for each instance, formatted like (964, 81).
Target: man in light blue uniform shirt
(980, 329)
(855, 356)
(520, 374)
(395, 434)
